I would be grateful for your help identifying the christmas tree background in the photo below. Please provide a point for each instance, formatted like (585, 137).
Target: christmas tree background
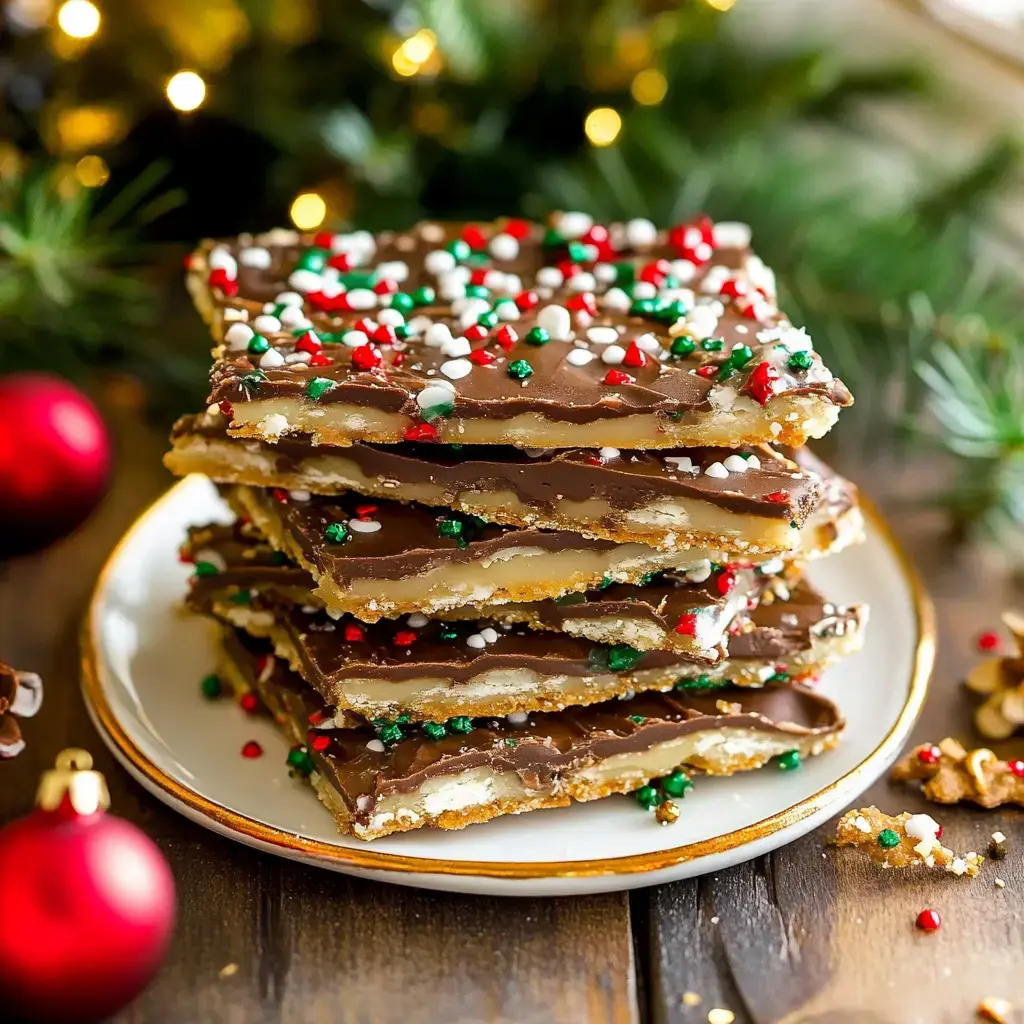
(131, 128)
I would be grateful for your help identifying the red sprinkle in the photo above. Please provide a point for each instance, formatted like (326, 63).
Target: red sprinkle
(249, 703)
(319, 359)
(482, 357)
(252, 749)
(988, 641)
(634, 356)
(929, 755)
(687, 624)
(708, 370)
(474, 237)
(385, 334)
(341, 261)
(386, 286)
(597, 235)
(365, 510)
(778, 497)
(476, 332)
(280, 495)
(938, 832)
(478, 276)
(420, 432)
(929, 921)
(353, 633)
(366, 325)
(226, 408)
(310, 343)
(365, 357)
(507, 336)
(320, 742)
(398, 359)
(763, 383)
(526, 300)
(725, 581)
(517, 229)
(617, 377)
(568, 268)
(323, 239)
(1016, 768)
(405, 638)
(316, 717)
(219, 279)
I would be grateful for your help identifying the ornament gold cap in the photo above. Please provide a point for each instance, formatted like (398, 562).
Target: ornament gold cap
(73, 777)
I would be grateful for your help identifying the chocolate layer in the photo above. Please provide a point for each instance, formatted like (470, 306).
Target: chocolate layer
(359, 764)
(772, 486)
(677, 290)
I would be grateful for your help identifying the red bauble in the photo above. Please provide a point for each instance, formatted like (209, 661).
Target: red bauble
(54, 461)
(88, 904)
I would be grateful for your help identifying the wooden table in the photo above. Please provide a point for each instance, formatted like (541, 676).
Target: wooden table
(807, 933)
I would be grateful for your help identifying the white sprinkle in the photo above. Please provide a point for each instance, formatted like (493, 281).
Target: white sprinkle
(297, 357)
(434, 394)
(607, 454)
(507, 310)
(238, 336)
(391, 317)
(271, 359)
(417, 619)
(921, 826)
(862, 824)
(504, 247)
(394, 270)
(518, 717)
(476, 641)
(958, 866)
(795, 339)
(471, 311)
(605, 272)
(363, 525)
(288, 299)
(731, 234)
(580, 357)
(438, 262)
(998, 837)
(557, 321)
(701, 322)
(771, 567)
(305, 280)
(418, 325)
(437, 335)
(647, 342)
(716, 470)
(641, 233)
(644, 290)
(615, 300)
(450, 290)
(489, 634)
(255, 256)
(681, 463)
(456, 368)
(353, 339)
(375, 745)
(736, 464)
(292, 316)
(683, 270)
(456, 347)
(602, 335)
(572, 224)
(265, 324)
(613, 354)
(753, 462)
(584, 281)
(699, 573)
(300, 496)
(549, 277)
(273, 425)
(221, 259)
(362, 298)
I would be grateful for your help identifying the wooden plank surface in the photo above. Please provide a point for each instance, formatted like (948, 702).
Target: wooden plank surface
(309, 946)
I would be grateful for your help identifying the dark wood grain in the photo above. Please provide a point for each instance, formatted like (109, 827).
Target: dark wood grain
(299, 945)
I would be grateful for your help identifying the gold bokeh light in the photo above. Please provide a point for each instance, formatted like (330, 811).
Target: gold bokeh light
(79, 19)
(649, 87)
(186, 91)
(602, 126)
(308, 211)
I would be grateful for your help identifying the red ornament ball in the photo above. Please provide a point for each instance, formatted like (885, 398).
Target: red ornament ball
(89, 908)
(55, 460)
(988, 641)
(929, 921)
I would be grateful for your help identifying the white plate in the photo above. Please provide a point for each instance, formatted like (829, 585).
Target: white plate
(144, 658)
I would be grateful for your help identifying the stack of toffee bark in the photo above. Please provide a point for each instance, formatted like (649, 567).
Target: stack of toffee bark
(522, 512)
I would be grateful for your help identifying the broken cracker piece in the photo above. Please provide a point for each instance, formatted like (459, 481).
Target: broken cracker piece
(1001, 680)
(902, 841)
(951, 774)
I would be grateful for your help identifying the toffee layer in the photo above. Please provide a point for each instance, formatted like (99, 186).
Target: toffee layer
(536, 339)
(380, 780)
(751, 500)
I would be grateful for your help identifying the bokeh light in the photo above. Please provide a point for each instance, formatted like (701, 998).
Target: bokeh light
(721, 5)
(602, 126)
(649, 87)
(79, 19)
(409, 58)
(92, 171)
(186, 91)
(308, 211)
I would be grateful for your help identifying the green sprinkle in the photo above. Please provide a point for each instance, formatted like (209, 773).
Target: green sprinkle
(509, 742)
(520, 369)
(683, 346)
(552, 238)
(336, 533)
(643, 307)
(700, 683)
(648, 797)
(258, 345)
(712, 344)
(460, 723)
(622, 657)
(357, 279)
(800, 361)
(437, 412)
(390, 733)
(606, 582)
(299, 760)
(448, 633)
(625, 273)
(204, 569)
(313, 259)
(252, 380)
(639, 719)
(241, 597)
(537, 336)
(403, 302)
(676, 784)
(211, 687)
(402, 719)
(488, 319)
(477, 291)
(887, 839)
(423, 296)
(318, 387)
(648, 577)
(741, 355)
(450, 528)
(789, 760)
(779, 677)
(726, 370)
(434, 730)
(578, 251)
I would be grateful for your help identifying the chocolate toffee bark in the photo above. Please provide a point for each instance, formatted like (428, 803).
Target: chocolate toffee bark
(578, 336)
(394, 777)
(246, 578)
(429, 668)
(750, 500)
(21, 695)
